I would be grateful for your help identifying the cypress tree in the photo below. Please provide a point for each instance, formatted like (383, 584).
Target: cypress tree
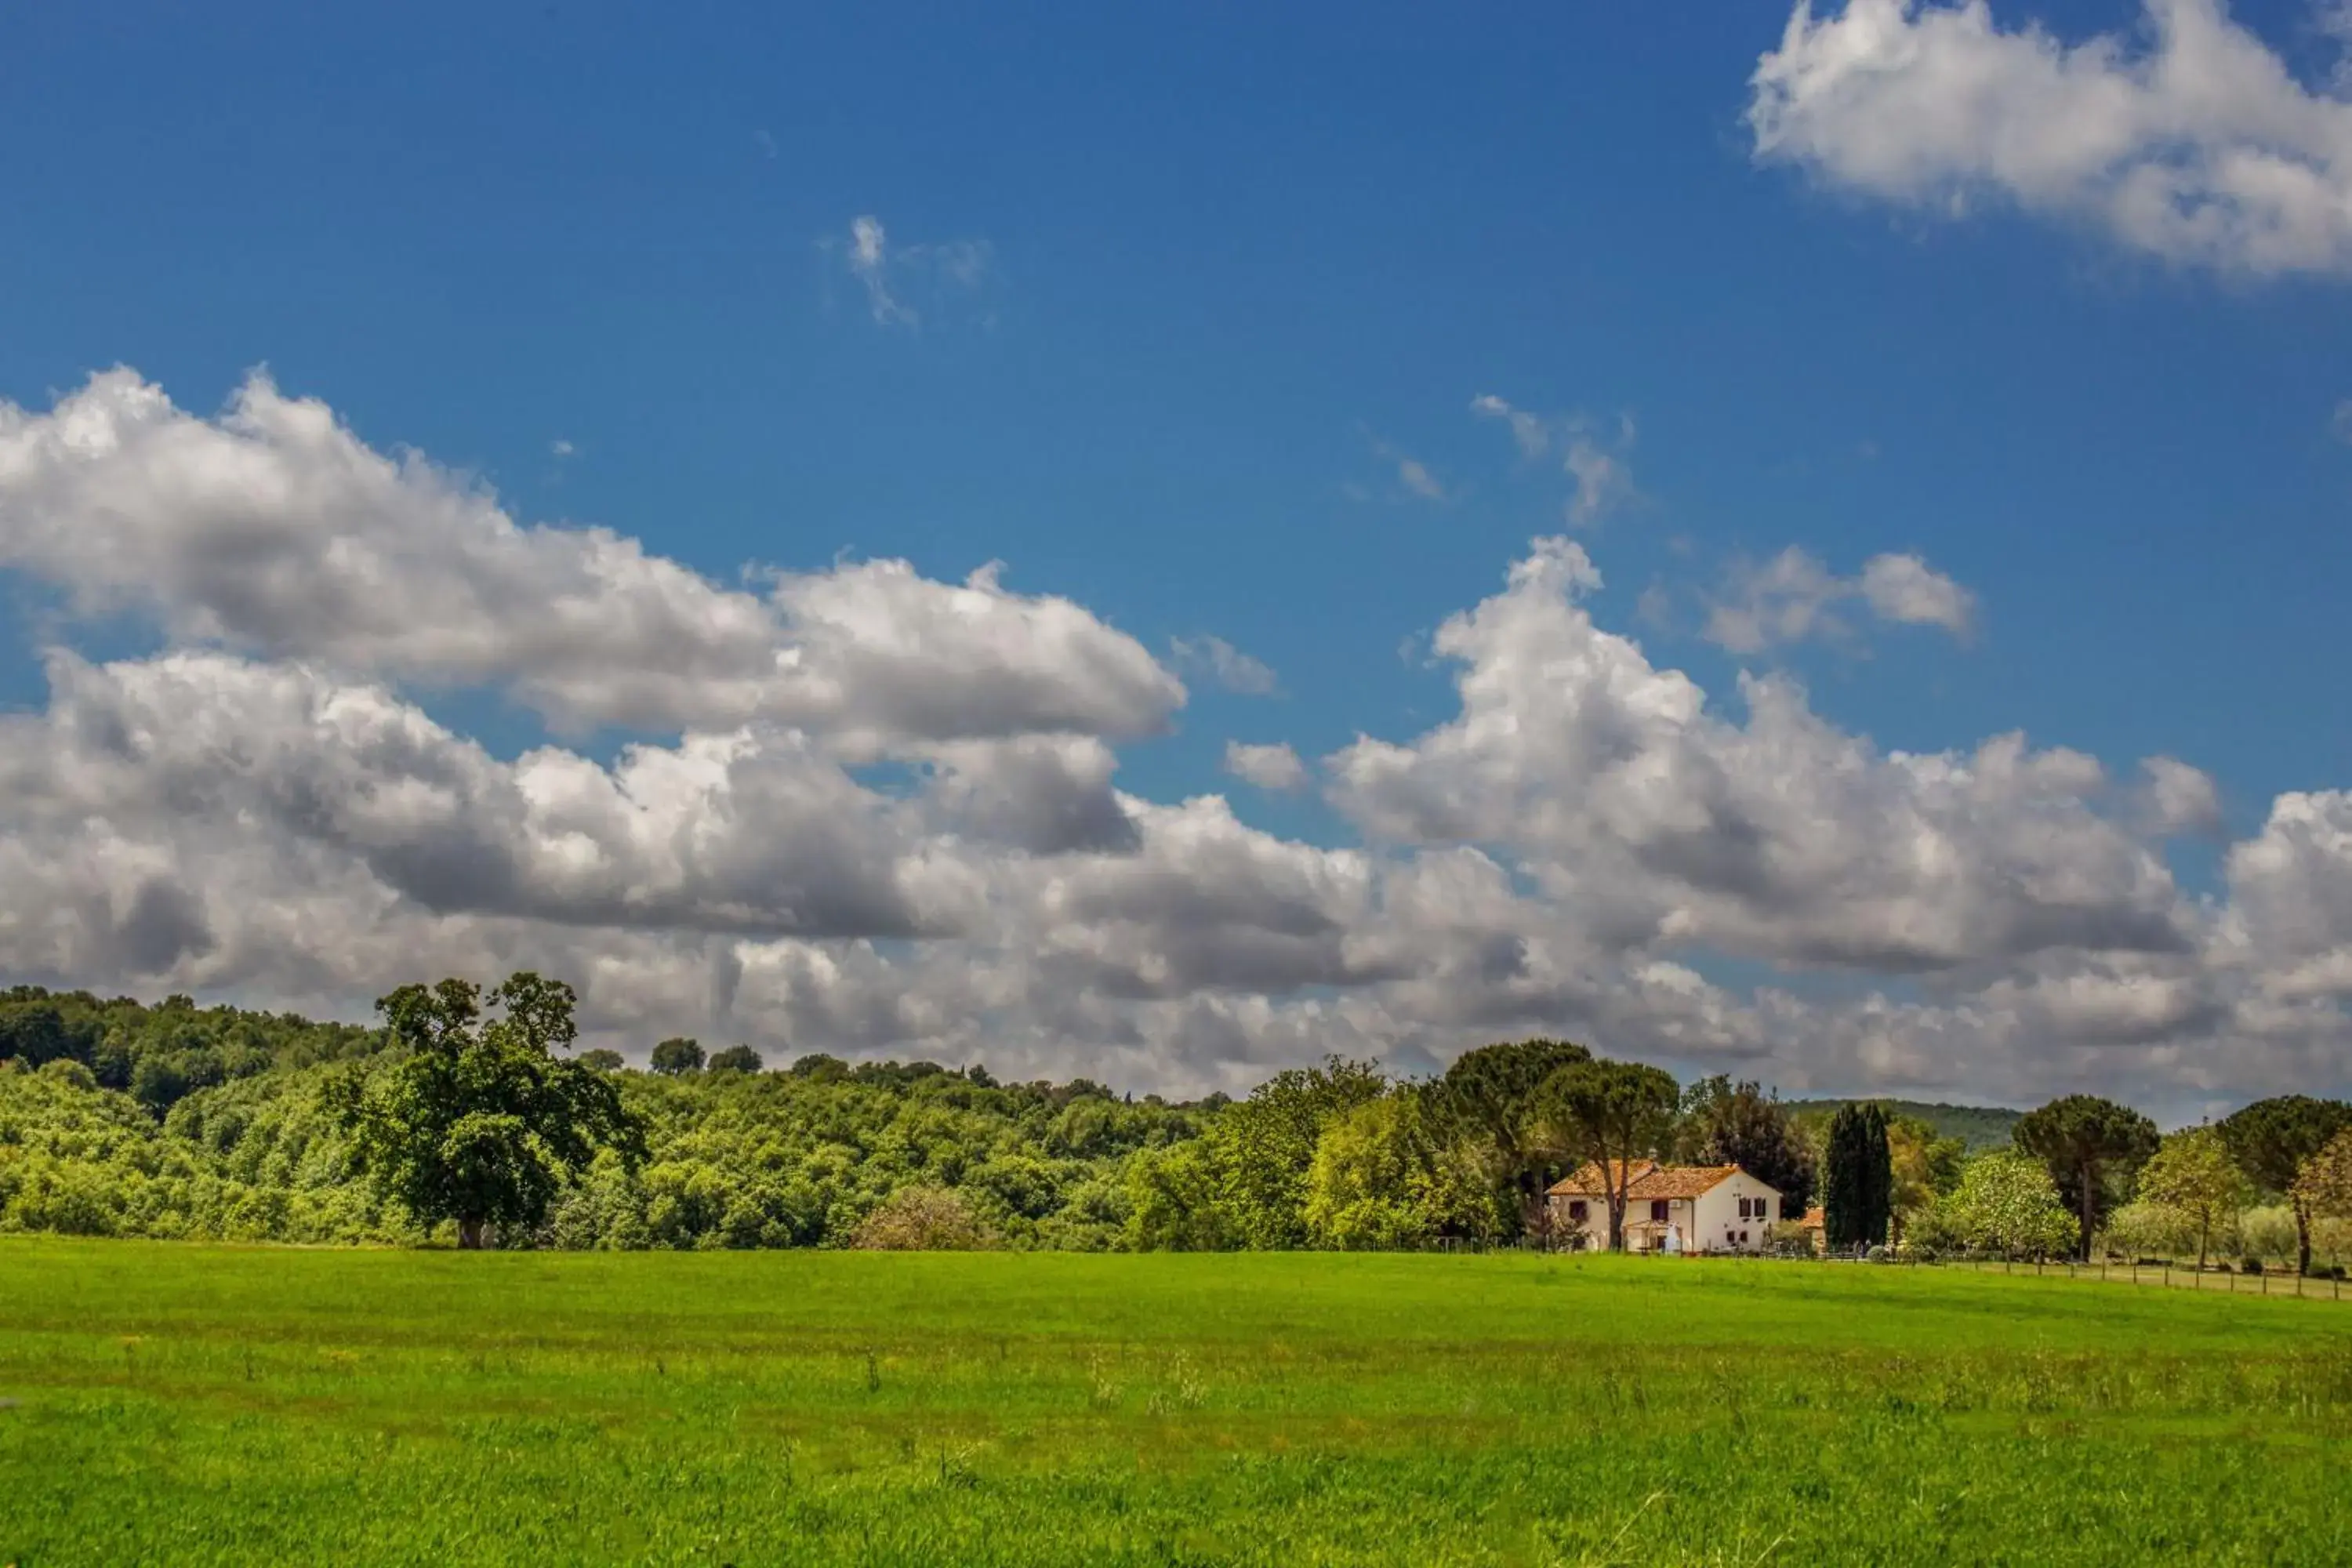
(1878, 1178)
(1839, 1222)
(1858, 1185)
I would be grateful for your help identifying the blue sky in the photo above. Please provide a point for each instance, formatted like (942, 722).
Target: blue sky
(1171, 297)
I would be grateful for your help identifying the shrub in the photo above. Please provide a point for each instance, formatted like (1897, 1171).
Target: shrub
(923, 1220)
(1878, 1254)
(2151, 1229)
(2250, 1266)
(2266, 1232)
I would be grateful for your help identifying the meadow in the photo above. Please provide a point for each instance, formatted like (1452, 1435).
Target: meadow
(187, 1403)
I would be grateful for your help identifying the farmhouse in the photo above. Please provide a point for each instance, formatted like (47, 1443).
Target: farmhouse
(1669, 1208)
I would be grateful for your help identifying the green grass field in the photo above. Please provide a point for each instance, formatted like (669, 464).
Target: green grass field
(189, 1405)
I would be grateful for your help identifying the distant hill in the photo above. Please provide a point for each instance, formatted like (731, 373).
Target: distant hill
(1980, 1127)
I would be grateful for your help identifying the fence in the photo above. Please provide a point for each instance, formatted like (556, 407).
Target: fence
(2164, 1272)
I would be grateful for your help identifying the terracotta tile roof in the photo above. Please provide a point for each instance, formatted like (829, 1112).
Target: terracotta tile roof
(1814, 1219)
(1648, 1179)
(1586, 1183)
(1682, 1181)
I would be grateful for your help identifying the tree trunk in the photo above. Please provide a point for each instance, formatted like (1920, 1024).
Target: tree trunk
(2204, 1235)
(470, 1234)
(2302, 1241)
(2090, 1202)
(1616, 1220)
(1535, 1207)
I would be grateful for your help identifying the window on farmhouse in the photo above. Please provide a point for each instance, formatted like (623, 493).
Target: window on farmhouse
(1658, 1210)
(1578, 1210)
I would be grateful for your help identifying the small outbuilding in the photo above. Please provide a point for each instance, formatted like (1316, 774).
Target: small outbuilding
(1669, 1208)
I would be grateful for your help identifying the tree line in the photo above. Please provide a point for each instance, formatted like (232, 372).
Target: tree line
(469, 1114)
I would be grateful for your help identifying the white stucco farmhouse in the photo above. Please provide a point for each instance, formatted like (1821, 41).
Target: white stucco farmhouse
(1669, 1208)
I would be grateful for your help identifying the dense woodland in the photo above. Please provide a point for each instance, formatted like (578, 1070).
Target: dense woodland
(1979, 1128)
(175, 1121)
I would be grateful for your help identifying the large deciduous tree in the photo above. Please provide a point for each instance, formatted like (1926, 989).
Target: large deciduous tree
(2270, 1138)
(2007, 1203)
(2090, 1145)
(2191, 1174)
(1264, 1147)
(676, 1056)
(481, 1121)
(1923, 1167)
(1726, 1123)
(1610, 1114)
(1389, 1174)
(2323, 1186)
(1491, 1095)
(1858, 1185)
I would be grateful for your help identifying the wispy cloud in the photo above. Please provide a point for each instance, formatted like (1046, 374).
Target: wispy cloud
(1412, 479)
(894, 276)
(1224, 663)
(1597, 461)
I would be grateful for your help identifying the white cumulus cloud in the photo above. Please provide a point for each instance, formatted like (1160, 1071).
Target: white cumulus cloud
(880, 814)
(1268, 767)
(1795, 597)
(2200, 147)
(273, 529)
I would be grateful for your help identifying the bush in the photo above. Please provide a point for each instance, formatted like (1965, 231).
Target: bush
(2266, 1232)
(1879, 1254)
(2149, 1230)
(923, 1220)
(1790, 1239)
(2250, 1266)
